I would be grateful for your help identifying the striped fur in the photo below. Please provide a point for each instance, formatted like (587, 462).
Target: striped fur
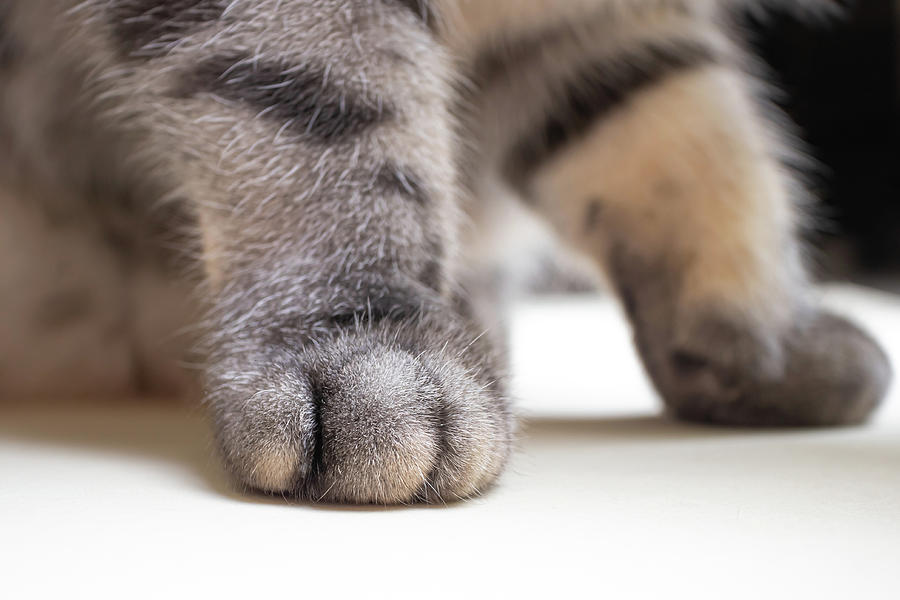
(313, 160)
(593, 91)
(149, 28)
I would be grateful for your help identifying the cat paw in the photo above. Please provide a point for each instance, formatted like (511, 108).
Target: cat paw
(825, 371)
(364, 418)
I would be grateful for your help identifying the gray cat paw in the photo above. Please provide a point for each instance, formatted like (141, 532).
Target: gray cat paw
(362, 419)
(826, 371)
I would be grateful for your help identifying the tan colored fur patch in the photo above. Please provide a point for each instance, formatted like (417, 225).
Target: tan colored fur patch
(686, 171)
(274, 470)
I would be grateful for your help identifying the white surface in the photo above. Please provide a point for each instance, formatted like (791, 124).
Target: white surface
(604, 499)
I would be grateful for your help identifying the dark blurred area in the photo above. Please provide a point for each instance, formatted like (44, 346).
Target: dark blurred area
(842, 78)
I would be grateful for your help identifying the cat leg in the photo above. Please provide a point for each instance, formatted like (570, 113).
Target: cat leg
(313, 139)
(648, 150)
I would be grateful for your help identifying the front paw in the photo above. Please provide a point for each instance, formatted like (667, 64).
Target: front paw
(366, 417)
(823, 371)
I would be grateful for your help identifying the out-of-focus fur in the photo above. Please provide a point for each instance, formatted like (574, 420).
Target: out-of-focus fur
(289, 188)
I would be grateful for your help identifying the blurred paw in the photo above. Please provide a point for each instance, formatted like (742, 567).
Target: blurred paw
(824, 371)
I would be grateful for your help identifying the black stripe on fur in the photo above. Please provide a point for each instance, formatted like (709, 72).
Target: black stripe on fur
(421, 8)
(9, 49)
(148, 28)
(592, 93)
(302, 100)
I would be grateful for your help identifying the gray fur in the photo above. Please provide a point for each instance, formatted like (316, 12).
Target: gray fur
(150, 27)
(287, 94)
(297, 163)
